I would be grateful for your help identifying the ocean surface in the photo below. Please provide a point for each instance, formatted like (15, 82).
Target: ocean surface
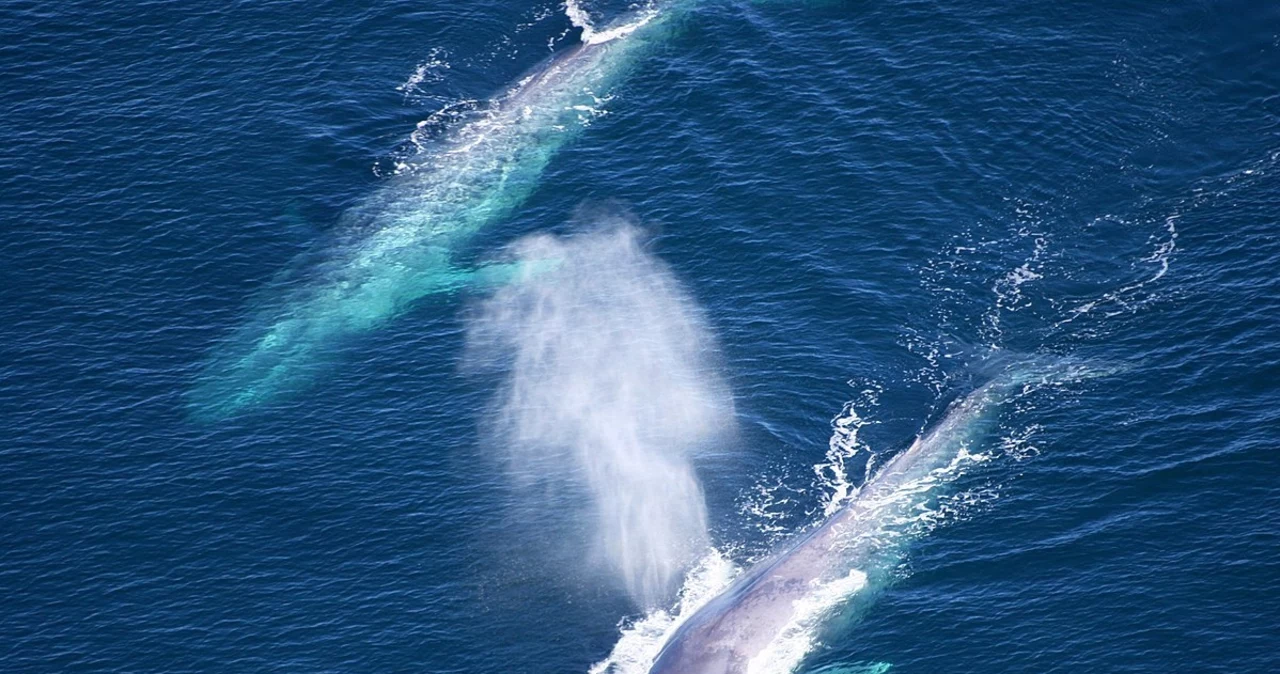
(769, 250)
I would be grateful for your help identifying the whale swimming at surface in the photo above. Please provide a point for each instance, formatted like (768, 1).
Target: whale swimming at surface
(738, 630)
(405, 238)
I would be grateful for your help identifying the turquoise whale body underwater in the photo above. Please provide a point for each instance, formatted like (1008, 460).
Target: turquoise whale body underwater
(407, 234)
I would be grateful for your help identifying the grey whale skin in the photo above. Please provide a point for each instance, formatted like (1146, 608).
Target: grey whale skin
(725, 634)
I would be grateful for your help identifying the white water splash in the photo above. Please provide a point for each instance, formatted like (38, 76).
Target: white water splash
(800, 636)
(608, 393)
(431, 70)
(1008, 289)
(844, 447)
(1134, 295)
(777, 499)
(1128, 298)
(1018, 445)
(769, 507)
(642, 638)
(581, 19)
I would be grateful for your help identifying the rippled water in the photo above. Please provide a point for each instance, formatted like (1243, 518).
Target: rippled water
(868, 203)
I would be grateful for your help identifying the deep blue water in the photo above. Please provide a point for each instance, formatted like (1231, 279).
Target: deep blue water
(859, 196)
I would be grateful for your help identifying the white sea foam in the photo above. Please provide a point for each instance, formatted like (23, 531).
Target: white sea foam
(769, 504)
(642, 638)
(1164, 244)
(844, 447)
(800, 635)
(1128, 297)
(621, 30)
(430, 70)
(777, 500)
(1008, 289)
(581, 19)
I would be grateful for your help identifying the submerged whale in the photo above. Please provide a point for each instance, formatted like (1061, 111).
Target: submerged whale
(405, 238)
(739, 631)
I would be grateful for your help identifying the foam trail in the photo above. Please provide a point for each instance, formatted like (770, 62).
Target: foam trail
(404, 240)
(608, 389)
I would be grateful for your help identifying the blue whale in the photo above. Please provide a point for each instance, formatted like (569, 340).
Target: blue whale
(849, 553)
(404, 240)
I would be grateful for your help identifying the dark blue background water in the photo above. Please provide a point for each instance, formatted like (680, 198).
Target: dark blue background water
(877, 192)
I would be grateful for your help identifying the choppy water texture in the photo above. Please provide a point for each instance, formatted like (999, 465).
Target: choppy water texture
(852, 211)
